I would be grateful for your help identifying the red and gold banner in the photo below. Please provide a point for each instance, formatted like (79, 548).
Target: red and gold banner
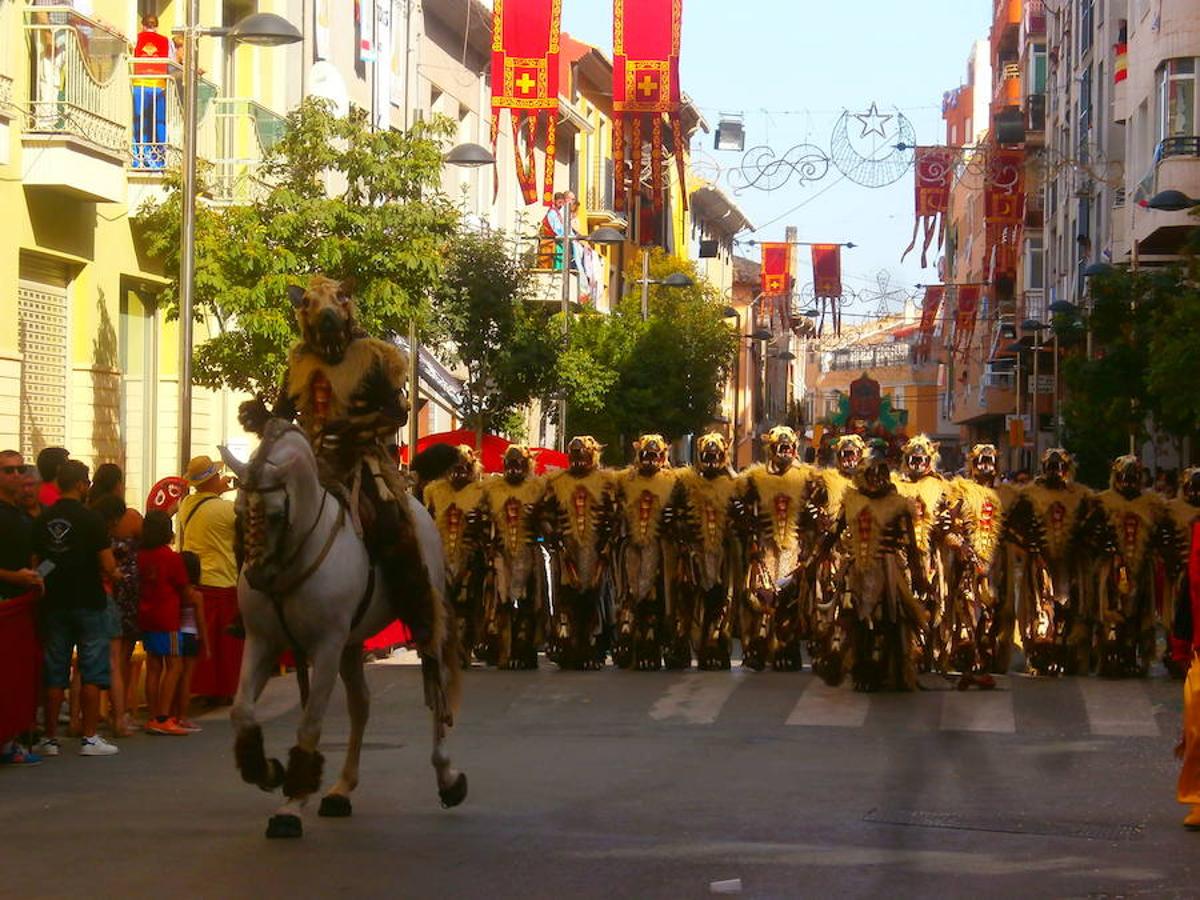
(1120, 62)
(930, 305)
(776, 269)
(827, 270)
(1004, 193)
(525, 48)
(645, 88)
(934, 168)
(966, 312)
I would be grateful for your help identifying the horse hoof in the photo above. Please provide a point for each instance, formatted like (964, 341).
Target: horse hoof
(455, 794)
(275, 775)
(284, 826)
(335, 806)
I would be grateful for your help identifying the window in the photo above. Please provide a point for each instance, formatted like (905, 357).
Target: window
(1035, 264)
(1177, 98)
(1086, 25)
(1037, 69)
(1085, 102)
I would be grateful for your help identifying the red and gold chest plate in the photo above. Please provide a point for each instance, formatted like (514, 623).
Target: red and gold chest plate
(644, 498)
(781, 498)
(1133, 522)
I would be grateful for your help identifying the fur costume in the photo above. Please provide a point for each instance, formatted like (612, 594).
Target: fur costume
(581, 520)
(1129, 519)
(973, 568)
(1050, 584)
(878, 620)
(646, 625)
(454, 501)
(771, 497)
(1183, 516)
(920, 481)
(699, 529)
(514, 604)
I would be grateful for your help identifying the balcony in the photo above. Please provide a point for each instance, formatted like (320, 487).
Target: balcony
(1035, 115)
(1008, 86)
(1006, 28)
(1176, 167)
(7, 30)
(1034, 305)
(867, 358)
(76, 130)
(1034, 18)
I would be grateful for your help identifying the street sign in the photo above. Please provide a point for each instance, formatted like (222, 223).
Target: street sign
(1045, 384)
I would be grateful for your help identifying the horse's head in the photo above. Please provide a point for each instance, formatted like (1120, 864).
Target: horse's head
(281, 474)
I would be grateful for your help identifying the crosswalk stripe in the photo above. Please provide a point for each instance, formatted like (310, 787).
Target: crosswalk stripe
(983, 711)
(827, 706)
(696, 698)
(1118, 708)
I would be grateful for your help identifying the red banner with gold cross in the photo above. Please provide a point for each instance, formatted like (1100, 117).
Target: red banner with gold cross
(776, 269)
(934, 169)
(645, 89)
(965, 316)
(930, 305)
(525, 49)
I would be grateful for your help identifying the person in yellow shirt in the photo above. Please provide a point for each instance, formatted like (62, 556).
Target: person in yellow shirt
(205, 526)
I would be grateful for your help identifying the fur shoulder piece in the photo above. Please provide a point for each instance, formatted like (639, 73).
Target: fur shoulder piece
(793, 483)
(498, 491)
(596, 484)
(362, 355)
(440, 495)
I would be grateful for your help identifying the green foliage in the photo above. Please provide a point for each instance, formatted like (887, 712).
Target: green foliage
(507, 342)
(625, 377)
(344, 201)
(1145, 331)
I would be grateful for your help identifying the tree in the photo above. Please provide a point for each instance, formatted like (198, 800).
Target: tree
(624, 377)
(384, 224)
(505, 341)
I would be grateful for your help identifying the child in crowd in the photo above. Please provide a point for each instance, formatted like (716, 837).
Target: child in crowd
(193, 640)
(164, 582)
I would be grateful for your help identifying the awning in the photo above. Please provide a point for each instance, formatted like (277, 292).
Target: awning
(436, 380)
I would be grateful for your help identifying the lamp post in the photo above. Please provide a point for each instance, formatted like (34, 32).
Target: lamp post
(1037, 327)
(731, 312)
(674, 280)
(259, 30)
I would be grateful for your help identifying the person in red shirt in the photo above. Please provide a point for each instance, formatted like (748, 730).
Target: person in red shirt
(150, 95)
(163, 580)
(48, 462)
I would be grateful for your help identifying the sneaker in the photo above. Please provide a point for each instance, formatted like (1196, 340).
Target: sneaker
(19, 756)
(96, 746)
(188, 725)
(47, 747)
(169, 727)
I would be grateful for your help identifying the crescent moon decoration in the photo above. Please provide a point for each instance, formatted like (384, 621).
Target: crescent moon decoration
(763, 170)
(873, 159)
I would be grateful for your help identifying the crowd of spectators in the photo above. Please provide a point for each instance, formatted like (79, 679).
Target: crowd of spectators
(124, 607)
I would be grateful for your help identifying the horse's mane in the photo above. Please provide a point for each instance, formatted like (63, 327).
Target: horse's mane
(275, 430)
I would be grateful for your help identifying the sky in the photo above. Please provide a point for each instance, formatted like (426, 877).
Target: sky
(792, 67)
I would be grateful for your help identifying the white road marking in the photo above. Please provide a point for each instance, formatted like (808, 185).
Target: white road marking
(978, 711)
(1118, 708)
(839, 707)
(696, 698)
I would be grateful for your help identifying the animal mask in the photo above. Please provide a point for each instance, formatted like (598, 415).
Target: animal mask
(518, 463)
(650, 451)
(583, 452)
(712, 454)
(920, 457)
(781, 446)
(1058, 467)
(849, 450)
(1189, 485)
(1126, 476)
(466, 469)
(325, 312)
(981, 463)
(874, 476)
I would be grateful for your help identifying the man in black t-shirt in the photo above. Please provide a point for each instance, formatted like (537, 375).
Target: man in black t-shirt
(75, 612)
(17, 576)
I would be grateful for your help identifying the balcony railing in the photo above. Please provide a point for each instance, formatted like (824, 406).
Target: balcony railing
(865, 359)
(1184, 145)
(1035, 17)
(8, 11)
(235, 136)
(1035, 305)
(79, 82)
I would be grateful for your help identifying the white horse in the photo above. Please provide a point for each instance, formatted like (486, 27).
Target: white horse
(309, 586)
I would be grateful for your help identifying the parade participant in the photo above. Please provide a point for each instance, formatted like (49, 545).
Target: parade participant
(878, 624)
(1183, 516)
(1188, 750)
(971, 609)
(1052, 589)
(580, 515)
(920, 481)
(454, 501)
(643, 631)
(1127, 518)
(771, 496)
(347, 392)
(698, 526)
(515, 597)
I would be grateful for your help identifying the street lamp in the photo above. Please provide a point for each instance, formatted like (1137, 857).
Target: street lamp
(470, 156)
(1172, 201)
(674, 281)
(260, 30)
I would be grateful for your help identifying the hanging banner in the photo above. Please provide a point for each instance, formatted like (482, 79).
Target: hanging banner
(930, 305)
(646, 88)
(1004, 192)
(776, 269)
(364, 16)
(934, 177)
(827, 283)
(382, 103)
(965, 315)
(321, 30)
(525, 49)
(1120, 62)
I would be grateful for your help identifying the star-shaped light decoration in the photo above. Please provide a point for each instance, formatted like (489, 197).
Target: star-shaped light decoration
(873, 121)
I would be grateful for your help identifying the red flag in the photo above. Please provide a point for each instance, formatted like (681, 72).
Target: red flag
(964, 318)
(930, 305)
(1004, 195)
(934, 168)
(645, 88)
(776, 269)
(525, 48)
(827, 270)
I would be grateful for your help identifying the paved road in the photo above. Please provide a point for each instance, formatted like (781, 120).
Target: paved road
(617, 784)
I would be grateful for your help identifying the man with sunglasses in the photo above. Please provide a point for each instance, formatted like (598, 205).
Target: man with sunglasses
(17, 577)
